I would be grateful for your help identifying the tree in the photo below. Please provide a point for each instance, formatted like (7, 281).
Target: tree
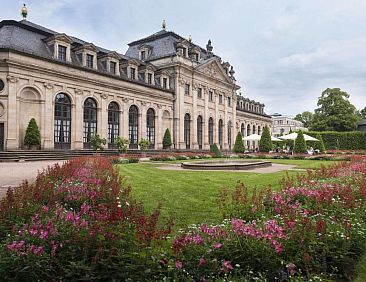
(300, 145)
(144, 144)
(334, 112)
(215, 151)
(167, 140)
(306, 118)
(97, 142)
(32, 134)
(265, 144)
(363, 113)
(239, 143)
(122, 144)
(319, 145)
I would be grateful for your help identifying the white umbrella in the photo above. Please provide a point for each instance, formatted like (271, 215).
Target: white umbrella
(293, 136)
(256, 137)
(275, 139)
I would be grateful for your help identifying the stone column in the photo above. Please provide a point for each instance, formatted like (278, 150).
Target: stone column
(216, 120)
(142, 121)
(194, 140)
(205, 143)
(124, 119)
(12, 140)
(48, 117)
(226, 120)
(180, 115)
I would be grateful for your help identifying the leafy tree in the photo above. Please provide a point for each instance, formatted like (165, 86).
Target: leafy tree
(265, 144)
(320, 144)
(167, 140)
(300, 145)
(122, 144)
(306, 118)
(32, 134)
(215, 151)
(363, 113)
(97, 142)
(239, 143)
(334, 112)
(144, 144)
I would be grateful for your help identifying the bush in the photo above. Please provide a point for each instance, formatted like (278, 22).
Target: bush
(319, 145)
(265, 144)
(122, 144)
(97, 142)
(167, 139)
(300, 145)
(239, 143)
(144, 144)
(354, 140)
(215, 151)
(32, 134)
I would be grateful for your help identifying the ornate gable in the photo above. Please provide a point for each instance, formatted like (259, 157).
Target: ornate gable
(214, 69)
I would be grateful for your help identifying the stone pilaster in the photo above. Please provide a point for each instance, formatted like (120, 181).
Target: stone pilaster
(77, 121)
(12, 140)
(48, 117)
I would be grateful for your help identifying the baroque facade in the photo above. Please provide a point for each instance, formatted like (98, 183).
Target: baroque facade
(75, 89)
(282, 125)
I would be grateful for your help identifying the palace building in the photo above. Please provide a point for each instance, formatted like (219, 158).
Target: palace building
(74, 89)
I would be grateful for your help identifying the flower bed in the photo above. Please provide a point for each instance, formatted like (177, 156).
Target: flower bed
(77, 222)
(314, 228)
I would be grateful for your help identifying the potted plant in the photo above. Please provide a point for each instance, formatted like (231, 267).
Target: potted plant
(122, 145)
(144, 144)
(97, 142)
(32, 137)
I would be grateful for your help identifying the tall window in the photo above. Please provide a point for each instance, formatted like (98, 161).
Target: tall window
(133, 73)
(210, 130)
(150, 129)
(149, 78)
(210, 96)
(199, 132)
(90, 120)
(113, 124)
(248, 130)
(61, 53)
(186, 89)
(199, 93)
(187, 130)
(113, 66)
(133, 121)
(242, 129)
(229, 134)
(220, 132)
(259, 130)
(165, 83)
(229, 101)
(143, 55)
(62, 122)
(220, 99)
(89, 60)
(253, 129)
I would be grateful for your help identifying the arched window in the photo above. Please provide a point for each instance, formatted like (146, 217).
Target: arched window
(90, 121)
(210, 131)
(253, 129)
(62, 122)
(248, 130)
(150, 127)
(113, 124)
(242, 129)
(220, 132)
(187, 130)
(259, 130)
(133, 127)
(199, 132)
(229, 134)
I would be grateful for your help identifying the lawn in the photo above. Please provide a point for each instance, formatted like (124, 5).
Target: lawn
(190, 196)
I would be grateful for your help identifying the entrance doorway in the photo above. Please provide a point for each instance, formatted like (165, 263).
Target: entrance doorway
(1, 137)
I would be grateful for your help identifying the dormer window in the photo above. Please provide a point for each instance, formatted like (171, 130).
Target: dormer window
(62, 53)
(112, 66)
(132, 73)
(184, 52)
(149, 78)
(89, 60)
(165, 83)
(143, 55)
(80, 57)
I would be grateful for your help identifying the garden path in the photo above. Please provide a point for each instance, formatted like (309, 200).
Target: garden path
(13, 173)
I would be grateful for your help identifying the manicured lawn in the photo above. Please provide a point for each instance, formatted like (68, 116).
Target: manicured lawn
(190, 196)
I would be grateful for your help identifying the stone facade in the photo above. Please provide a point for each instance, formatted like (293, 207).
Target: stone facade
(74, 89)
(281, 125)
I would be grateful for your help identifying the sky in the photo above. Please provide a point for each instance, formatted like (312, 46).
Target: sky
(284, 52)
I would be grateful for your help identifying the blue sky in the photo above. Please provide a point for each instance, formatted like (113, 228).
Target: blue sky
(285, 53)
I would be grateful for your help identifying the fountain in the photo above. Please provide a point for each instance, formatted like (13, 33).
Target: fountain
(227, 164)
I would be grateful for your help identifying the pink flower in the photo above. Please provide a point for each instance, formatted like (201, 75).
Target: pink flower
(43, 234)
(202, 262)
(45, 208)
(217, 246)
(227, 265)
(178, 264)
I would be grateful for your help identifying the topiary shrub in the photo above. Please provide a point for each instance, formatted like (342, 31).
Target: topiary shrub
(300, 145)
(215, 151)
(239, 143)
(265, 144)
(32, 134)
(167, 140)
(144, 144)
(320, 144)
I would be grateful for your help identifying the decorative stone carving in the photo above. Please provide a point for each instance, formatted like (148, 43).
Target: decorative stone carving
(2, 110)
(78, 92)
(48, 85)
(143, 103)
(125, 100)
(159, 106)
(104, 96)
(12, 79)
(182, 81)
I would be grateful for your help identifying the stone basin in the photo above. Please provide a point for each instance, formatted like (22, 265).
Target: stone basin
(226, 165)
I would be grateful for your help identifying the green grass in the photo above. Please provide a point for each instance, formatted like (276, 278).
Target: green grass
(190, 196)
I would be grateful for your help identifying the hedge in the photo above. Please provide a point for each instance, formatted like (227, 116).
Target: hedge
(353, 140)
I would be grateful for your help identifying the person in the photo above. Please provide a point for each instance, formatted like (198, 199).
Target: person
(311, 151)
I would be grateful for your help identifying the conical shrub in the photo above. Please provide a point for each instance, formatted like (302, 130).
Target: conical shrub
(300, 145)
(239, 143)
(32, 134)
(167, 139)
(265, 144)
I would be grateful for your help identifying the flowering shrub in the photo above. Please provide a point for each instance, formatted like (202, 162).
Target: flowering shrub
(77, 222)
(314, 227)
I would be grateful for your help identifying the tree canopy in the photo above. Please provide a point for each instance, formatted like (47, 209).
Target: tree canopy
(363, 113)
(306, 118)
(335, 112)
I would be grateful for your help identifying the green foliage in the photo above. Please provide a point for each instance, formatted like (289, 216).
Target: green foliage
(306, 118)
(32, 134)
(144, 144)
(320, 144)
(300, 145)
(239, 143)
(334, 112)
(167, 140)
(363, 113)
(265, 144)
(215, 151)
(97, 142)
(354, 140)
(122, 144)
